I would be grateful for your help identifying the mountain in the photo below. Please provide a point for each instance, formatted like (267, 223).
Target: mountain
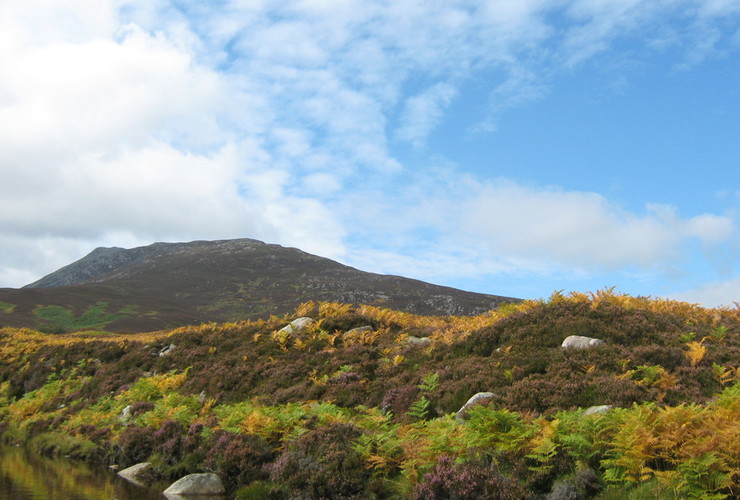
(171, 284)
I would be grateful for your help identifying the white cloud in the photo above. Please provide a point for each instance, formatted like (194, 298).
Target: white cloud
(140, 120)
(582, 229)
(721, 293)
(424, 112)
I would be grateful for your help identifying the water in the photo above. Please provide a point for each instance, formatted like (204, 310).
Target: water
(26, 476)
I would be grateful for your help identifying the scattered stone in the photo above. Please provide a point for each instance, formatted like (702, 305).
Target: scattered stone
(298, 325)
(563, 490)
(597, 409)
(580, 342)
(137, 474)
(476, 399)
(125, 415)
(411, 340)
(197, 484)
(166, 350)
(202, 397)
(359, 330)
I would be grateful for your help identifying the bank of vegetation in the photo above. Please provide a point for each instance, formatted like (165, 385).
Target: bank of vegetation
(342, 411)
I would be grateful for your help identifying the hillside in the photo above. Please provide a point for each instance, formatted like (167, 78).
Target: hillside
(362, 403)
(165, 285)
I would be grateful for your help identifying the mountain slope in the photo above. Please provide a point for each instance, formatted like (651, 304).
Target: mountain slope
(170, 284)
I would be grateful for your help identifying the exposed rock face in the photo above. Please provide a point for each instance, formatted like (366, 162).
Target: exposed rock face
(580, 342)
(298, 325)
(137, 473)
(196, 484)
(476, 399)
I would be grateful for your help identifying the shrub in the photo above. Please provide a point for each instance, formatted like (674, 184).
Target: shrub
(323, 464)
(136, 445)
(469, 480)
(238, 458)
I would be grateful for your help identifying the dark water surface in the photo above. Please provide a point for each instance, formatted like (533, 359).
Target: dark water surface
(26, 476)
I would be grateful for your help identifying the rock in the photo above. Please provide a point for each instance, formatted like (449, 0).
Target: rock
(298, 325)
(166, 350)
(476, 399)
(196, 484)
(137, 474)
(563, 490)
(580, 342)
(597, 409)
(411, 340)
(125, 415)
(359, 330)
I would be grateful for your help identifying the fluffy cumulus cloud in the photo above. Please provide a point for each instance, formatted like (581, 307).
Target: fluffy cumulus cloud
(128, 121)
(584, 229)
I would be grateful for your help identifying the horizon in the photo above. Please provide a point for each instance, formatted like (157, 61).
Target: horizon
(507, 148)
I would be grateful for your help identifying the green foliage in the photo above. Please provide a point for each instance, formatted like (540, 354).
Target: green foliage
(6, 307)
(420, 409)
(58, 319)
(319, 402)
(429, 383)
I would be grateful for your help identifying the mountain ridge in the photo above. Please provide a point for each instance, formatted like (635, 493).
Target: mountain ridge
(170, 284)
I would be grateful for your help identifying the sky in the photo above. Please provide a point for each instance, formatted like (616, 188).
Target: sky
(511, 147)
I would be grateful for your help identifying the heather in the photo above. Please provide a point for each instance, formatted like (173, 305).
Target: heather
(341, 412)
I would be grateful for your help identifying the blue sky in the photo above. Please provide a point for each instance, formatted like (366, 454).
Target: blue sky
(507, 147)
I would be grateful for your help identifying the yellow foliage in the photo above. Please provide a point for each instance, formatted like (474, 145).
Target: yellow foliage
(696, 352)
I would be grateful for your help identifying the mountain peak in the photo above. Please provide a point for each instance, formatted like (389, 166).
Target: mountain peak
(228, 280)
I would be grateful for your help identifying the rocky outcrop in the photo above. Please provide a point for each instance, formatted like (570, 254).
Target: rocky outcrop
(581, 342)
(476, 399)
(196, 484)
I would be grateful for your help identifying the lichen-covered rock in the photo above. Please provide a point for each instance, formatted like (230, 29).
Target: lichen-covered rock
(411, 340)
(197, 484)
(298, 325)
(476, 399)
(581, 342)
(138, 474)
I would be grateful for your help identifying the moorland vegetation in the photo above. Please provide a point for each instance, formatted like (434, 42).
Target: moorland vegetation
(340, 411)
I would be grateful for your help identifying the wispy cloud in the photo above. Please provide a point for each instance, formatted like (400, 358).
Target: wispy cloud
(142, 120)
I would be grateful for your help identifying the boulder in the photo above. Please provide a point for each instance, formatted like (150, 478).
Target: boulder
(137, 474)
(298, 325)
(580, 342)
(597, 409)
(411, 340)
(166, 350)
(125, 415)
(476, 399)
(359, 330)
(196, 484)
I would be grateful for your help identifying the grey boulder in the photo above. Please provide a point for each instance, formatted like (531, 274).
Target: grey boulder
(580, 342)
(196, 484)
(474, 400)
(298, 325)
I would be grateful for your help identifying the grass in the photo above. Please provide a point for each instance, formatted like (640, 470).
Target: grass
(58, 319)
(6, 307)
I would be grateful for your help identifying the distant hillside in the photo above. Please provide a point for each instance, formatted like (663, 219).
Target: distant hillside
(171, 284)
